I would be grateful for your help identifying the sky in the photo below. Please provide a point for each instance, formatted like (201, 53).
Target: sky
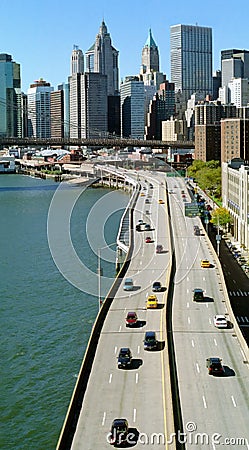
(41, 35)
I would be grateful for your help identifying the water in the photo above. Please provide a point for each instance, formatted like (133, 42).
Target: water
(45, 321)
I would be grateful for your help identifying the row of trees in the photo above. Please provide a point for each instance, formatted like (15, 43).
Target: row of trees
(208, 177)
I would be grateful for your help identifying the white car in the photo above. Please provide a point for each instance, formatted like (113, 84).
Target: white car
(220, 321)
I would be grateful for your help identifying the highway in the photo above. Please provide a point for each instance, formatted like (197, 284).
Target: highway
(214, 409)
(140, 394)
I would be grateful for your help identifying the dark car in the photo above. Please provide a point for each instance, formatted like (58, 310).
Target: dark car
(214, 366)
(124, 358)
(131, 319)
(119, 431)
(150, 340)
(156, 287)
(198, 295)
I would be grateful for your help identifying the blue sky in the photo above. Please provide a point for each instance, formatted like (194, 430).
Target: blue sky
(40, 35)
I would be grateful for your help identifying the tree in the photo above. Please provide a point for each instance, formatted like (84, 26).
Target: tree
(220, 217)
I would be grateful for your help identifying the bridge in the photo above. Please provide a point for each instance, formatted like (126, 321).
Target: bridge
(168, 391)
(107, 142)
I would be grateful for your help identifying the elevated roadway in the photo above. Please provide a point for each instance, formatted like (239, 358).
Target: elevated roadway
(215, 410)
(140, 394)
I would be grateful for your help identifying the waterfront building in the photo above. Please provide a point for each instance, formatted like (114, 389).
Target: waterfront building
(57, 114)
(11, 97)
(132, 108)
(235, 197)
(234, 139)
(191, 59)
(39, 113)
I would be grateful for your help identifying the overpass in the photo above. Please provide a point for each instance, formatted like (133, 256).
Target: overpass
(106, 142)
(216, 408)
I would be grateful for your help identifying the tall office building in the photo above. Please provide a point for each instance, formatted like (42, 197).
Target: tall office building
(150, 56)
(39, 115)
(10, 97)
(102, 57)
(191, 59)
(94, 118)
(132, 108)
(66, 108)
(77, 60)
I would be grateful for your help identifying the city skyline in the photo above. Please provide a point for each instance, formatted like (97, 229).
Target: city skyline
(43, 47)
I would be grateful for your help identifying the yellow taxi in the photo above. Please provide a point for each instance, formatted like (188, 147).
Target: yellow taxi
(205, 263)
(151, 302)
(160, 201)
(142, 194)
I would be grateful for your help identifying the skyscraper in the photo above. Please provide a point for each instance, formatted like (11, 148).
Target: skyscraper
(102, 57)
(10, 97)
(39, 116)
(191, 59)
(77, 60)
(150, 56)
(132, 108)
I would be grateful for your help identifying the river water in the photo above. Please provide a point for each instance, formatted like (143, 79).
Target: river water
(46, 317)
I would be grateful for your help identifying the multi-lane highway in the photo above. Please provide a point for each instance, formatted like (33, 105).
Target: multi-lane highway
(141, 394)
(215, 410)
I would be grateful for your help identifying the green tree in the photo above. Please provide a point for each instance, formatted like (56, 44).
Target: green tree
(220, 217)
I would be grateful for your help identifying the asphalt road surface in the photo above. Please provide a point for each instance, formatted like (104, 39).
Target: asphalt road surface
(214, 409)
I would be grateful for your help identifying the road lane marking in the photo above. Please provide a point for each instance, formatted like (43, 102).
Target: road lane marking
(115, 350)
(210, 321)
(189, 320)
(187, 304)
(192, 342)
(215, 342)
(187, 278)
(120, 328)
(234, 403)
(243, 354)
(138, 349)
(136, 378)
(103, 420)
(207, 305)
(204, 401)
(187, 291)
(204, 278)
(110, 378)
(134, 414)
(197, 367)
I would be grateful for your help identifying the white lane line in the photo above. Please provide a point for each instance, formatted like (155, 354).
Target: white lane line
(215, 342)
(210, 321)
(134, 414)
(243, 354)
(197, 367)
(187, 278)
(187, 304)
(188, 319)
(115, 350)
(138, 349)
(153, 271)
(234, 403)
(103, 420)
(204, 278)
(187, 291)
(207, 305)
(110, 378)
(141, 262)
(120, 328)
(136, 378)
(192, 342)
(204, 401)
(214, 448)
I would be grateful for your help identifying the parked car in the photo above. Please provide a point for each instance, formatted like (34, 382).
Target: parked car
(159, 248)
(214, 366)
(150, 340)
(128, 284)
(124, 358)
(147, 227)
(151, 302)
(148, 240)
(220, 321)
(147, 201)
(119, 431)
(160, 201)
(156, 287)
(131, 319)
(198, 295)
(205, 263)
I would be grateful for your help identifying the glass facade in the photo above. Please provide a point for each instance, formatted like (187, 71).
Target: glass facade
(10, 97)
(191, 59)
